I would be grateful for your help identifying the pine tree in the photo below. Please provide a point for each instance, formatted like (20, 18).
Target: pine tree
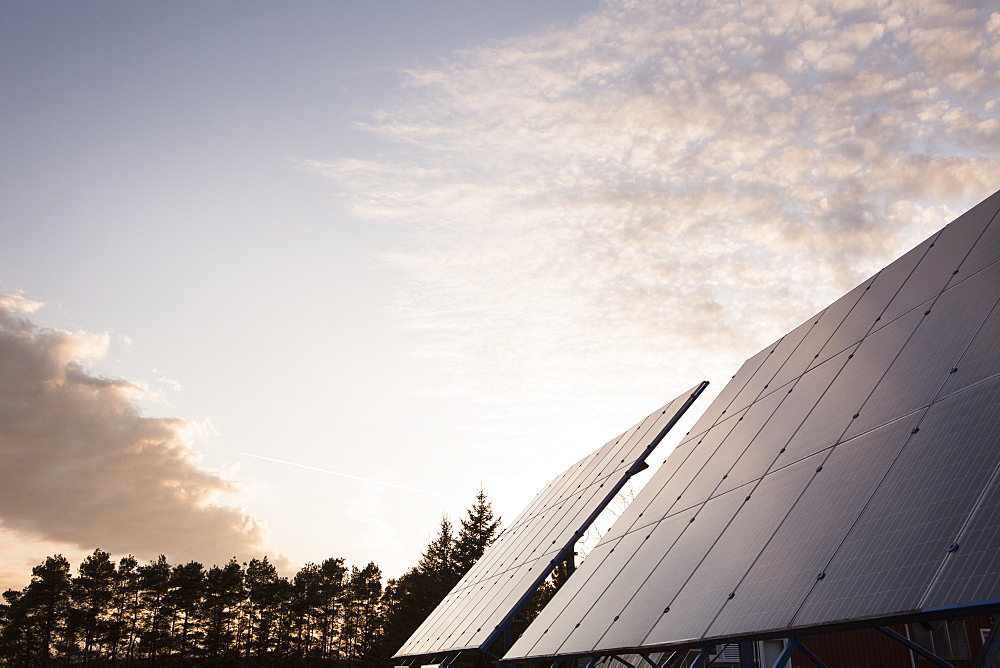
(154, 583)
(127, 608)
(477, 532)
(224, 591)
(187, 586)
(410, 598)
(93, 591)
(268, 593)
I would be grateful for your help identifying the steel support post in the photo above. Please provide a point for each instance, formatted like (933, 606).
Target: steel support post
(671, 660)
(702, 658)
(903, 640)
(786, 655)
(621, 660)
(747, 659)
(989, 656)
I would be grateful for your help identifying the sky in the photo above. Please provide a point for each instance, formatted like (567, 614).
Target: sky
(296, 279)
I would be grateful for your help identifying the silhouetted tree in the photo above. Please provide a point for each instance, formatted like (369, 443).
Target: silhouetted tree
(362, 614)
(223, 594)
(127, 607)
(187, 586)
(92, 592)
(477, 532)
(268, 593)
(410, 598)
(154, 584)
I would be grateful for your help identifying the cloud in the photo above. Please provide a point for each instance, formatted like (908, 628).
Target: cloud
(652, 194)
(82, 466)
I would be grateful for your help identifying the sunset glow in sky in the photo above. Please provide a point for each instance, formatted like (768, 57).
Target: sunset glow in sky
(297, 278)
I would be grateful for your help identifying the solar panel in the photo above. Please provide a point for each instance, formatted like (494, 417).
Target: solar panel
(475, 612)
(849, 471)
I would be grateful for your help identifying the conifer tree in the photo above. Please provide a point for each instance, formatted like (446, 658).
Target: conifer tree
(92, 591)
(477, 532)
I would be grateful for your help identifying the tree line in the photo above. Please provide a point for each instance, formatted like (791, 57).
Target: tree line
(238, 614)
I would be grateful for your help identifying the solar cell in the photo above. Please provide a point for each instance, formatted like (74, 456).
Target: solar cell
(718, 574)
(486, 598)
(922, 367)
(775, 586)
(849, 471)
(890, 556)
(660, 576)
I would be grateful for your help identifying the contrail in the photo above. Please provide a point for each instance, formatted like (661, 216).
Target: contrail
(354, 477)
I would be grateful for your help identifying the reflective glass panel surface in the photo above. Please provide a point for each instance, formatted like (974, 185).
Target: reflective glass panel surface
(718, 575)
(781, 576)
(892, 554)
(917, 375)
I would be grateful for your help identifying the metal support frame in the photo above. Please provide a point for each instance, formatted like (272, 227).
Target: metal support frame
(615, 657)
(747, 659)
(645, 657)
(990, 654)
(903, 640)
(792, 645)
(669, 661)
(701, 658)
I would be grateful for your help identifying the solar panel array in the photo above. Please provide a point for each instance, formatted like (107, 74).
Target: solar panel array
(849, 471)
(528, 550)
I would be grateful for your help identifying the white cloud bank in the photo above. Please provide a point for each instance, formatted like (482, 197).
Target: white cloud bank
(79, 464)
(654, 193)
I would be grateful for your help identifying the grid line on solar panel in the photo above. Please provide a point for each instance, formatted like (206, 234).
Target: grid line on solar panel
(883, 326)
(921, 369)
(768, 450)
(638, 607)
(718, 574)
(655, 423)
(781, 575)
(781, 351)
(530, 548)
(865, 316)
(599, 601)
(866, 364)
(986, 250)
(657, 497)
(723, 401)
(889, 556)
(826, 323)
(971, 571)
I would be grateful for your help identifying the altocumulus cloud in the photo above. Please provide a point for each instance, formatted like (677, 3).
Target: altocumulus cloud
(81, 465)
(661, 188)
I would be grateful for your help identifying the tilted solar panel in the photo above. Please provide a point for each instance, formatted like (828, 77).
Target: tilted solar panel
(541, 537)
(849, 471)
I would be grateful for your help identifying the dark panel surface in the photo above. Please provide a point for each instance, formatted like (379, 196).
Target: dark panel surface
(892, 554)
(665, 574)
(861, 373)
(972, 571)
(826, 323)
(768, 449)
(923, 366)
(718, 575)
(777, 584)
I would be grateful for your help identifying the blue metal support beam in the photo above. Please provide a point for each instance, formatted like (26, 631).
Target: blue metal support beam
(621, 660)
(671, 660)
(930, 656)
(702, 658)
(792, 645)
(990, 654)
